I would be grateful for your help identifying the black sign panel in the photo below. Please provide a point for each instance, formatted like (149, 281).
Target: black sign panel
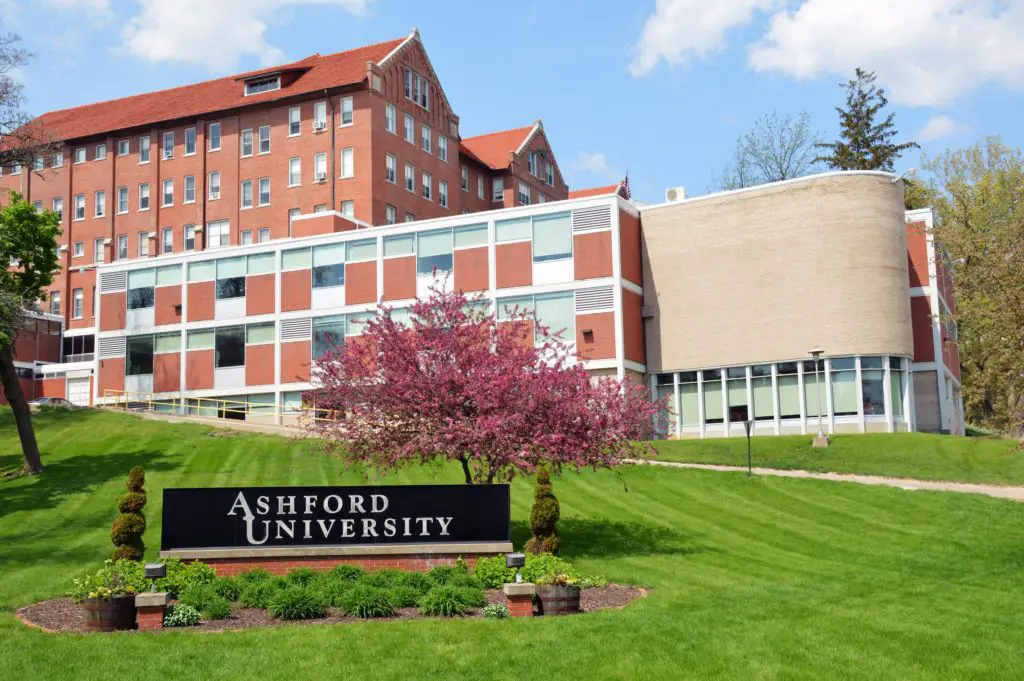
(250, 517)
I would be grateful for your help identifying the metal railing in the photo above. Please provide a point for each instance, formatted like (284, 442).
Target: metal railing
(210, 407)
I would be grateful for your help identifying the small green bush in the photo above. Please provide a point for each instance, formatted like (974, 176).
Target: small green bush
(302, 576)
(181, 616)
(404, 596)
(384, 579)
(198, 596)
(496, 611)
(367, 601)
(227, 588)
(181, 576)
(297, 603)
(332, 590)
(259, 593)
(250, 577)
(347, 573)
(473, 598)
(217, 608)
(544, 516)
(445, 574)
(416, 580)
(492, 573)
(443, 601)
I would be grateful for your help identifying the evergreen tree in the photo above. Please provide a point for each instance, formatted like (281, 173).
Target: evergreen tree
(863, 144)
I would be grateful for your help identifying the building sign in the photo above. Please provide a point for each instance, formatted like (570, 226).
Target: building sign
(241, 517)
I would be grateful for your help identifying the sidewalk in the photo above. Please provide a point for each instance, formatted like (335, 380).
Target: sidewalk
(1012, 493)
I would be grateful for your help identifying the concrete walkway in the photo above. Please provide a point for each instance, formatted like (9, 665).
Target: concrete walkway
(1002, 492)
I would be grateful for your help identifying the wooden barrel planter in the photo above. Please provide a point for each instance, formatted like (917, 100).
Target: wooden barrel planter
(110, 614)
(558, 600)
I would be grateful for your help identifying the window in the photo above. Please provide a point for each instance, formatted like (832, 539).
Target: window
(264, 197)
(329, 266)
(497, 189)
(247, 194)
(80, 155)
(404, 244)
(552, 237)
(425, 139)
(844, 388)
(168, 144)
(100, 204)
(541, 198)
(442, 193)
(464, 178)
(471, 235)
(190, 141)
(231, 278)
(531, 162)
(872, 386)
(122, 246)
(167, 342)
(168, 195)
(345, 111)
(390, 168)
(79, 206)
(101, 154)
(713, 412)
(688, 399)
(433, 251)
(556, 312)
(229, 346)
(190, 237)
(320, 167)
(16, 169)
(258, 85)
(390, 214)
(144, 149)
(55, 302)
(410, 129)
(264, 137)
(263, 235)
(138, 356)
(246, 237)
(140, 289)
(122, 200)
(190, 189)
(245, 139)
(294, 172)
(58, 159)
(58, 208)
(319, 116)
(896, 385)
(736, 393)
(296, 259)
(409, 217)
(348, 209)
(811, 389)
(417, 88)
(347, 162)
(77, 300)
(328, 333)
(480, 186)
(426, 186)
(442, 147)
(214, 187)
(218, 234)
(123, 148)
(167, 240)
(513, 230)
(143, 245)
(199, 339)
(524, 194)
(761, 386)
(79, 249)
(144, 196)
(98, 251)
(549, 173)
(294, 121)
(258, 334)
(410, 177)
(213, 136)
(390, 119)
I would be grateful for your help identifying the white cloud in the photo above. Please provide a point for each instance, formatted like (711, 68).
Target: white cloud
(216, 33)
(591, 162)
(937, 127)
(925, 52)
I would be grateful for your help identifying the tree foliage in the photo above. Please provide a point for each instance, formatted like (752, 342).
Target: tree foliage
(981, 231)
(455, 384)
(130, 525)
(864, 143)
(544, 517)
(777, 148)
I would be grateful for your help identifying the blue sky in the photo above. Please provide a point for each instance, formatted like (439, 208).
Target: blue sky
(661, 88)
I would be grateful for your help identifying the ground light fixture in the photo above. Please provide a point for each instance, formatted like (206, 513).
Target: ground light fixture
(153, 572)
(748, 425)
(820, 440)
(516, 560)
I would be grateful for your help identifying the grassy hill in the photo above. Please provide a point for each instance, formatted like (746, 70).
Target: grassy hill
(763, 578)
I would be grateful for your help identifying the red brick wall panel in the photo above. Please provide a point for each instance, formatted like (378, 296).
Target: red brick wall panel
(280, 565)
(513, 264)
(361, 282)
(917, 254)
(259, 294)
(633, 327)
(113, 308)
(295, 361)
(600, 342)
(471, 269)
(592, 255)
(629, 245)
(167, 305)
(296, 290)
(400, 278)
(111, 375)
(259, 364)
(199, 370)
(921, 324)
(52, 387)
(166, 372)
(201, 300)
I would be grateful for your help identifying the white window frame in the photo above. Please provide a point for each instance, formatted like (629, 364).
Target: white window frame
(124, 147)
(58, 159)
(243, 203)
(391, 118)
(480, 186)
(391, 168)
(295, 113)
(410, 178)
(341, 112)
(209, 136)
(78, 249)
(426, 139)
(100, 152)
(99, 251)
(260, 140)
(520, 194)
(164, 232)
(348, 208)
(210, 184)
(426, 185)
(464, 178)
(390, 214)
(99, 204)
(127, 200)
(147, 196)
(58, 206)
(168, 182)
(295, 178)
(320, 167)
(409, 132)
(190, 235)
(122, 253)
(263, 232)
(191, 130)
(245, 237)
(442, 193)
(245, 133)
(79, 198)
(549, 173)
(350, 170)
(319, 121)
(442, 147)
(77, 303)
(144, 150)
(166, 153)
(81, 155)
(531, 162)
(142, 247)
(185, 190)
(497, 189)
(259, 199)
(222, 234)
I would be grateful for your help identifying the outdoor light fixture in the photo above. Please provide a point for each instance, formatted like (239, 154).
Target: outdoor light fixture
(820, 440)
(748, 425)
(909, 174)
(153, 572)
(516, 560)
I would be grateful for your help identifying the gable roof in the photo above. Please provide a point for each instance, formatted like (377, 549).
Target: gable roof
(314, 74)
(595, 191)
(495, 149)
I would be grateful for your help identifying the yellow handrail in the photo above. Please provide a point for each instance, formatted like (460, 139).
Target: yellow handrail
(206, 406)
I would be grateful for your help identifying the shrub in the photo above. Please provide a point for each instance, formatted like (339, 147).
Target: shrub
(445, 574)
(473, 598)
(181, 616)
(297, 603)
(347, 573)
(404, 596)
(227, 588)
(181, 576)
(113, 579)
(444, 601)
(198, 596)
(128, 528)
(384, 579)
(250, 577)
(218, 608)
(544, 517)
(332, 590)
(367, 601)
(302, 576)
(495, 611)
(418, 581)
(259, 594)
(492, 573)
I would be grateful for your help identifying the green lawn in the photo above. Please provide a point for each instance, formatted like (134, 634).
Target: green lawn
(907, 455)
(763, 578)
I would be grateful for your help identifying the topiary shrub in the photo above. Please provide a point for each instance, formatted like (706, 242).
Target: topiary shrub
(496, 611)
(128, 528)
(367, 601)
(544, 517)
(297, 603)
(444, 601)
(227, 588)
(404, 596)
(259, 593)
(181, 616)
(302, 576)
(347, 573)
(217, 608)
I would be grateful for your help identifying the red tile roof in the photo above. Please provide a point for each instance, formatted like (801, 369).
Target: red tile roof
(594, 191)
(199, 99)
(495, 149)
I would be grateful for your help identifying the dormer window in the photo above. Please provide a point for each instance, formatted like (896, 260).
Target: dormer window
(258, 85)
(417, 88)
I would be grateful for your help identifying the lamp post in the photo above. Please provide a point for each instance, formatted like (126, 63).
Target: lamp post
(820, 440)
(749, 426)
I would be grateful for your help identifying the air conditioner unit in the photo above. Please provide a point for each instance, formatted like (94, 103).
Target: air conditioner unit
(321, 177)
(319, 125)
(675, 194)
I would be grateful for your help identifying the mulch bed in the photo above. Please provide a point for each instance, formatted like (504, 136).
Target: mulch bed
(61, 615)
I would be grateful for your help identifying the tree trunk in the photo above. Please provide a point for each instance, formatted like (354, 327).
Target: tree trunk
(22, 416)
(465, 469)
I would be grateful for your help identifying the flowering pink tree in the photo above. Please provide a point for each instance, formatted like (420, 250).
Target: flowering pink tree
(454, 383)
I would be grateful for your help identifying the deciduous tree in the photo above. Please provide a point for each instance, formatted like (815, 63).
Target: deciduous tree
(455, 384)
(777, 148)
